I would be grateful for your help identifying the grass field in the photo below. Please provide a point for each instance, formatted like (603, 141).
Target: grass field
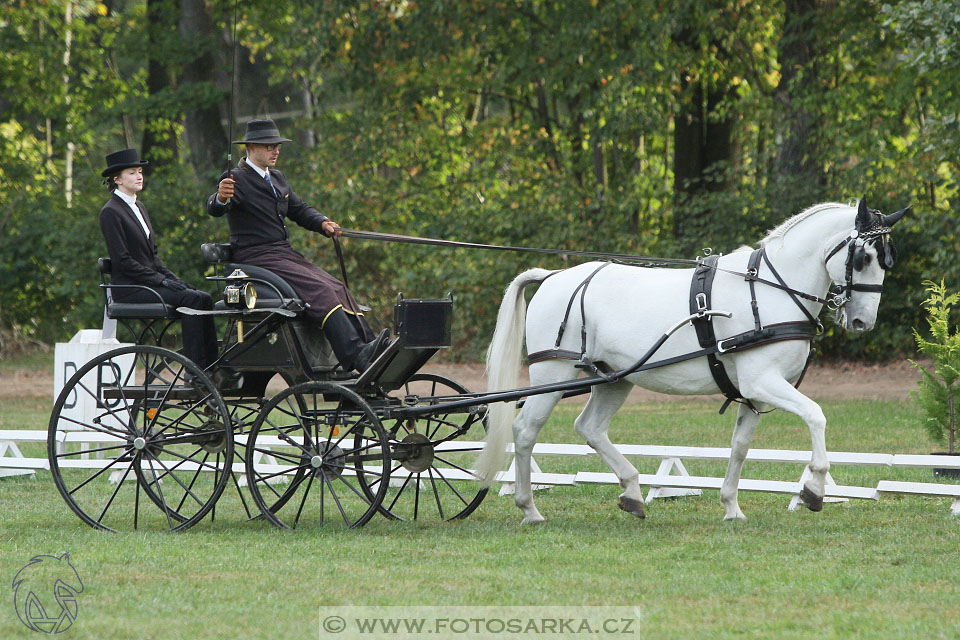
(861, 569)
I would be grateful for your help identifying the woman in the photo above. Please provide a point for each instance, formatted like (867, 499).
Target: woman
(132, 245)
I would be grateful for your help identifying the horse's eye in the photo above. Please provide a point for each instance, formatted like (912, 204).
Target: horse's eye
(867, 259)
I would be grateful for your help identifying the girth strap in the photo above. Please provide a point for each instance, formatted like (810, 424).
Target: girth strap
(700, 288)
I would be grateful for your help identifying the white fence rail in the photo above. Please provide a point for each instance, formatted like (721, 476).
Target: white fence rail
(671, 478)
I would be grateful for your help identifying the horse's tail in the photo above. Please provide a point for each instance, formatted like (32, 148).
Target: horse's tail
(503, 372)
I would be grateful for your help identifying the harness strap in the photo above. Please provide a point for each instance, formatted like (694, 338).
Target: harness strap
(700, 290)
(753, 269)
(582, 289)
(549, 354)
(813, 320)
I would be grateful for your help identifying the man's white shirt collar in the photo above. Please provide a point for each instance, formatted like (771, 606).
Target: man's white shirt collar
(262, 172)
(132, 203)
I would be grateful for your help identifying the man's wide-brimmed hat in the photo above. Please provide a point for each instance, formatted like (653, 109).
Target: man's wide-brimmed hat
(120, 160)
(262, 132)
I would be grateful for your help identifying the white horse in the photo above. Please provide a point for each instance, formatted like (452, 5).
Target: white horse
(628, 308)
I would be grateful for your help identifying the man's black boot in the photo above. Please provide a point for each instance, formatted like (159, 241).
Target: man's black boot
(372, 350)
(344, 338)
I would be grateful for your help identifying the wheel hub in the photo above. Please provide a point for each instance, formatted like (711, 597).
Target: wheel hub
(326, 459)
(216, 441)
(416, 452)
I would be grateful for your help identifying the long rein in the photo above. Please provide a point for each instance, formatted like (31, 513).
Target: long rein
(619, 258)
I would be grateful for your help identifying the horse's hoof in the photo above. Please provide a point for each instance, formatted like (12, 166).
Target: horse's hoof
(739, 517)
(632, 506)
(811, 500)
(533, 520)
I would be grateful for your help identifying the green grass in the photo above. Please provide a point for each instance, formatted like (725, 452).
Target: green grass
(863, 569)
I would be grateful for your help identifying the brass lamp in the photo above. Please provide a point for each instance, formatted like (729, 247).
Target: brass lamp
(239, 295)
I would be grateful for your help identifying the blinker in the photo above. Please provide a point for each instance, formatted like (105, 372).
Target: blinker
(859, 256)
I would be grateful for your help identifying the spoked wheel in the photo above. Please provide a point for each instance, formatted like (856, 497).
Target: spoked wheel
(140, 438)
(431, 477)
(326, 445)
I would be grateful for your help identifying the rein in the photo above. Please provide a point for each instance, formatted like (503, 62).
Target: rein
(392, 237)
(618, 258)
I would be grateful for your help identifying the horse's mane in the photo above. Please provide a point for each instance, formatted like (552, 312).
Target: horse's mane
(781, 230)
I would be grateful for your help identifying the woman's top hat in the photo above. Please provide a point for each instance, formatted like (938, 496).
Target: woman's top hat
(262, 132)
(120, 160)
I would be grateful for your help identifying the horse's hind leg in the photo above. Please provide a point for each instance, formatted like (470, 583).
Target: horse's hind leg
(592, 424)
(526, 428)
(739, 445)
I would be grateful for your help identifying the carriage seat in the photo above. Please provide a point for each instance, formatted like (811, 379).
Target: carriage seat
(131, 310)
(272, 290)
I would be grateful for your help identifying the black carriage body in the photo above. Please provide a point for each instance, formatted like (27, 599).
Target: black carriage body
(422, 327)
(292, 347)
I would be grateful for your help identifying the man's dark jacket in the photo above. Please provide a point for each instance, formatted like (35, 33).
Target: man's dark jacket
(258, 217)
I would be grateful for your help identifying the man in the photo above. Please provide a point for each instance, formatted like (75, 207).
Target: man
(257, 200)
(132, 245)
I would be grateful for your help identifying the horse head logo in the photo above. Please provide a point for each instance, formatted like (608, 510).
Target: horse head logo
(45, 593)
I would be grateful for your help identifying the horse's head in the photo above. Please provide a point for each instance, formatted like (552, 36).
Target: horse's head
(858, 264)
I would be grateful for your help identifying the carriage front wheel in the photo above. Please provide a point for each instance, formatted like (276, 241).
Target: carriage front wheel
(139, 437)
(310, 454)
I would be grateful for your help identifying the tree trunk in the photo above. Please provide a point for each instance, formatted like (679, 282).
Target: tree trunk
(795, 167)
(703, 146)
(71, 147)
(204, 133)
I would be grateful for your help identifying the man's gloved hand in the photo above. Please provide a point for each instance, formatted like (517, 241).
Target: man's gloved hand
(176, 285)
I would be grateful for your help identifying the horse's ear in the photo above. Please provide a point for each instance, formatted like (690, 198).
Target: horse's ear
(863, 215)
(890, 220)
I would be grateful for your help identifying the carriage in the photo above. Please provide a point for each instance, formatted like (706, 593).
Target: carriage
(274, 419)
(167, 438)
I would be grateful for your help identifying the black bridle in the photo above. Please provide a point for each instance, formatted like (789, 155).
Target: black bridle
(856, 243)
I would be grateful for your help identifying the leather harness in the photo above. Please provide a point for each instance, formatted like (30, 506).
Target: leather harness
(701, 286)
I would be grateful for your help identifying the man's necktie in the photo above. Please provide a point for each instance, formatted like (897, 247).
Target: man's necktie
(276, 194)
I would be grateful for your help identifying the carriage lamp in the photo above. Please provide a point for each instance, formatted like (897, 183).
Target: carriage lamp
(239, 295)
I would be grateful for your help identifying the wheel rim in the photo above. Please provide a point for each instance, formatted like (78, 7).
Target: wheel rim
(164, 435)
(430, 477)
(325, 452)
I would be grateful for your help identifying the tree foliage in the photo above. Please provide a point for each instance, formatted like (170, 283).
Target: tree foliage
(655, 128)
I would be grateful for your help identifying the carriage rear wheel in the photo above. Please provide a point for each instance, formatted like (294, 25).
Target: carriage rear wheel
(310, 453)
(431, 476)
(139, 437)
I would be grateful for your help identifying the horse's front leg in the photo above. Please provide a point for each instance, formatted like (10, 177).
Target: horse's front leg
(782, 395)
(743, 432)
